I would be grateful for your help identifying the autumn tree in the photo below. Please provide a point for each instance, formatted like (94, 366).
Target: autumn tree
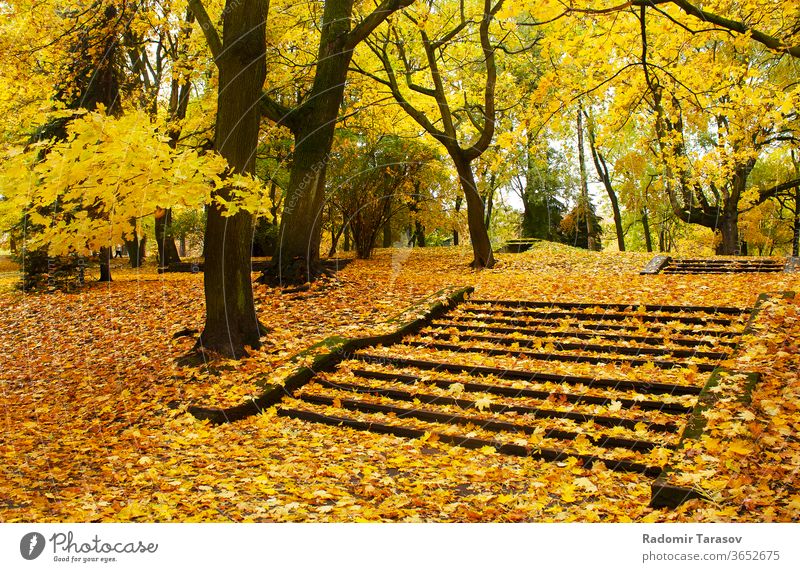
(231, 323)
(713, 200)
(312, 120)
(88, 78)
(438, 103)
(372, 180)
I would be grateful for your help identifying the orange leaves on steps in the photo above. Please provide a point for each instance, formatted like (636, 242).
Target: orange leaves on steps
(93, 425)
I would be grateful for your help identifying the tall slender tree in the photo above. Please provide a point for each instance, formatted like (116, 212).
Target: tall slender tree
(445, 126)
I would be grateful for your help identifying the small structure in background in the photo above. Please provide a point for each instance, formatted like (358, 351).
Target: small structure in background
(517, 245)
(668, 265)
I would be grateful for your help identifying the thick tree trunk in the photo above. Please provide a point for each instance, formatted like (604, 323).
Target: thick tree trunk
(296, 258)
(231, 323)
(729, 230)
(132, 248)
(387, 234)
(482, 254)
(136, 250)
(419, 234)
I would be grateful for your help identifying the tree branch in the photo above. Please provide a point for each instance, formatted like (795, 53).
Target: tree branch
(209, 31)
(368, 24)
(771, 42)
(773, 191)
(489, 112)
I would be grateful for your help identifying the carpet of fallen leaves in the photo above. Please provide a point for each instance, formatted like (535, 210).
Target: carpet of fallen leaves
(95, 428)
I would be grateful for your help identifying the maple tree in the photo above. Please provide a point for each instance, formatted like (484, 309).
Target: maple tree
(231, 322)
(312, 121)
(398, 45)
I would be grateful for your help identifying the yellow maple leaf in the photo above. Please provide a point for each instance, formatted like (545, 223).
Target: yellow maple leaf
(585, 484)
(740, 447)
(483, 403)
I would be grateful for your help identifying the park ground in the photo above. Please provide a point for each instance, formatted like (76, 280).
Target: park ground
(93, 407)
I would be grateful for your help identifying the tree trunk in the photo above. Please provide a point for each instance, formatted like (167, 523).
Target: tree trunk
(796, 221)
(296, 258)
(105, 264)
(459, 200)
(601, 167)
(231, 323)
(387, 234)
(335, 234)
(165, 241)
(648, 238)
(482, 254)
(591, 240)
(490, 200)
(796, 226)
(178, 105)
(135, 248)
(419, 234)
(729, 229)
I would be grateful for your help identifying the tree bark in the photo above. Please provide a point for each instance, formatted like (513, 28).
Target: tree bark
(136, 249)
(729, 231)
(387, 234)
(796, 211)
(591, 240)
(165, 241)
(459, 200)
(648, 238)
(796, 225)
(489, 203)
(419, 234)
(483, 257)
(231, 323)
(105, 264)
(296, 258)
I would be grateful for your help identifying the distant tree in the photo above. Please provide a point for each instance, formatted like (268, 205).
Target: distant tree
(574, 227)
(540, 185)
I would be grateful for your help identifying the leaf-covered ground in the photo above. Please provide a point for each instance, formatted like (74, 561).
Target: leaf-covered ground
(95, 428)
